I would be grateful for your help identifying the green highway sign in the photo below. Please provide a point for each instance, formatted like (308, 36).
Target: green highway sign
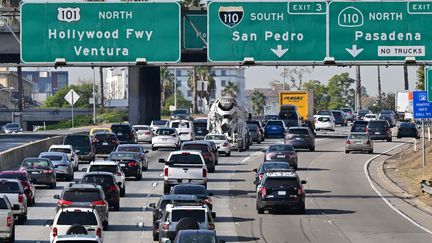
(380, 30)
(195, 31)
(428, 81)
(268, 31)
(100, 32)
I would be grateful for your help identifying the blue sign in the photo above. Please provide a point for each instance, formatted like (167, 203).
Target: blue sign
(422, 107)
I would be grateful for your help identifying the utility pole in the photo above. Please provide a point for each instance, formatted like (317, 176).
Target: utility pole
(175, 87)
(406, 77)
(379, 86)
(358, 104)
(101, 85)
(20, 90)
(94, 95)
(284, 75)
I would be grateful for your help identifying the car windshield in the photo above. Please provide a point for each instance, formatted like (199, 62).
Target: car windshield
(35, 163)
(165, 132)
(215, 137)
(281, 148)
(160, 123)
(198, 215)
(197, 237)
(3, 204)
(359, 136)
(298, 131)
(101, 130)
(9, 187)
(52, 157)
(337, 114)
(347, 110)
(252, 127)
(324, 113)
(105, 168)
(129, 148)
(19, 176)
(186, 158)
(82, 218)
(370, 116)
(12, 125)
(82, 196)
(189, 190)
(277, 123)
(121, 156)
(102, 180)
(377, 124)
(281, 182)
(198, 147)
(268, 165)
(61, 150)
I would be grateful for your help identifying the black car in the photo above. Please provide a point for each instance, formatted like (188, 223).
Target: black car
(269, 165)
(83, 146)
(105, 143)
(359, 126)
(199, 191)
(260, 127)
(282, 152)
(280, 189)
(109, 185)
(125, 133)
(300, 138)
(408, 129)
(85, 195)
(159, 208)
(135, 148)
(255, 133)
(41, 171)
(379, 130)
(129, 162)
(339, 118)
(200, 129)
(388, 117)
(206, 151)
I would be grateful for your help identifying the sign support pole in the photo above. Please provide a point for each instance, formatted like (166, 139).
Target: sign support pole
(72, 110)
(423, 144)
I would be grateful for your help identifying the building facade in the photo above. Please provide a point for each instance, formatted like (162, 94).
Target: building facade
(9, 83)
(116, 84)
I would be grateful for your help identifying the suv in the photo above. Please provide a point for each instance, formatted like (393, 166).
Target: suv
(7, 226)
(206, 151)
(181, 114)
(184, 129)
(339, 118)
(379, 129)
(82, 145)
(349, 113)
(280, 189)
(111, 167)
(260, 127)
(175, 214)
(300, 137)
(66, 218)
(125, 133)
(359, 126)
(85, 195)
(105, 143)
(13, 189)
(109, 185)
(200, 128)
(25, 180)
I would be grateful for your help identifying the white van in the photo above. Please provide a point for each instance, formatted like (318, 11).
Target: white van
(184, 129)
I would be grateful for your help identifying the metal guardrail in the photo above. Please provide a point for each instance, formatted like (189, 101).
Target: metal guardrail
(426, 187)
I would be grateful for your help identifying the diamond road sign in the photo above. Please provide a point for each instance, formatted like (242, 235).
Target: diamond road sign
(267, 31)
(195, 31)
(380, 30)
(90, 32)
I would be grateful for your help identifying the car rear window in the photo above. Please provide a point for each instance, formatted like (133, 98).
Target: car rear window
(268, 165)
(3, 204)
(281, 147)
(102, 180)
(377, 124)
(61, 150)
(141, 128)
(407, 125)
(279, 182)
(359, 136)
(324, 113)
(198, 147)
(189, 190)
(187, 237)
(370, 116)
(298, 131)
(76, 140)
(180, 125)
(76, 241)
(273, 123)
(160, 123)
(165, 132)
(198, 215)
(81, 196)
(337, 114)
(216, 137)
(71, 218)
(9, 187)
(105, 168)
(129, 149)
(105, 136)
(323, 119)
(35, 163)
(20, 176)
(120, 128)
(185, 158)
(121, 156)
(52, 157)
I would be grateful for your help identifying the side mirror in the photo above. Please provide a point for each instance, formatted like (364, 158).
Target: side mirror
(146, 151)
(173, 135)
(213, 214)
(161, 160)
(15, 207)
(152, 205)
(119, 183)
(211, 194)
(303, 182)
(255, 170)
(56, 197)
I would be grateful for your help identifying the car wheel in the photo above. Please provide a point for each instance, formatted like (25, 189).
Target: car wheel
(122, 192)
(105, 225)
(70, 177)
(347, 151)
(155, 236)
(302, 209)
(260, 210)
(12, 236)
(398, 137)
(389, 139)
(138, 176)
(117, 206)
(52, 185)
(33, 201)
(212, 169)
(312, 149)
(166, 189)
(154, 149)
(228, 154)
(22, 219)
(370, 151)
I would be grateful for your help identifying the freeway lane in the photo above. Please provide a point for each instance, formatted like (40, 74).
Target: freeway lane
(12, 141)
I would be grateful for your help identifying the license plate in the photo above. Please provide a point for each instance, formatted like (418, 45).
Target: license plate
(298, 138)
(377, 132)
(358, 142)
(281, 193)
(104, 143)
(122, 165)
(77, 150)
(35, 173)
(119, 134)
(164, 139)
(280, 156)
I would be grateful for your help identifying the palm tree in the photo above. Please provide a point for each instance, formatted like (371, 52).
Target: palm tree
(167, 84)
(258, 102)
(231, 89)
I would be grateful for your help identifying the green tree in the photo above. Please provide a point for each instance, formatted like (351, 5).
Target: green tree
(420, 84)
(84, 90)
(231, 89)
(182, 102)
(258, 102)
(167, 84)
(321, 98)
(295, 76)
(340, 91)
(190, 3)
(204, 73)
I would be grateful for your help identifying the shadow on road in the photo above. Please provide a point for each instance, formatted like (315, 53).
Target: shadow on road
(116, 227)
(328, 211)
(226, 180)
(232, 192)
(315, 191)
(232, 219)
(239, 238)
(311, 169)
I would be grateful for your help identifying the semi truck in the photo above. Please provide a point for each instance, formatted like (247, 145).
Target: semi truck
(404, 103)
(300, 102)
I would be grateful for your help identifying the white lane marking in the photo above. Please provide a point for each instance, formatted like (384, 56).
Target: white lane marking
(155, 184)
(161, 174)
(365, 168)
(244, 160)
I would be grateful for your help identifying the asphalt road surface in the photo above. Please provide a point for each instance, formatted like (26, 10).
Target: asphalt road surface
(12, 141)
(340, 204)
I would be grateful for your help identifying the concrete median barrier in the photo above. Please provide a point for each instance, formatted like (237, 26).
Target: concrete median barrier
(12, 158)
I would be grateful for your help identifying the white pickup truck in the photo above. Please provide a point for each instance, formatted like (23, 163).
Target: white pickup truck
(184, 167)
(7, 226)
(13, 189)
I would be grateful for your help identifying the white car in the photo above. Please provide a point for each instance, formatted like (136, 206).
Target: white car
(14, 191)
(323, 122)
(144, 132)
(66, 217)
(370, 117)
(224, 147)
(7, 224)
(156, 124)
(69, 151)
(184, 129)
(166, 138)
(112, 167)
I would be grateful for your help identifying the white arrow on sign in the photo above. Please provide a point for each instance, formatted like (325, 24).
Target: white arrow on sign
(354, 51)
(279, 51)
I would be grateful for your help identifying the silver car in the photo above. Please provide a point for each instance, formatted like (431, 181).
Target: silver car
(144, 132)
(62, 165)
(359, 141)
(224, 147)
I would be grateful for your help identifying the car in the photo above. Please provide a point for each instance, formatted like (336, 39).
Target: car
(197, 235)
(7, 224)
(77, 238)
(95, 130)
(13, 189)
(136, 148)
(188, 166)
(144, 133)
(206, 152)
(105, 143)
(408, 129)
(266, 166)
(62, 166)
(82, 144)
(112, 167)
(223, 145)
(129, 162)
(26, 183)
(362, 113)
(282, 152)
(177, 215)
(275, 128)
(109, 185)
(289, 114)
(281, 189)
(166, 138)
(12, 128)
(349, 113)
(85, 195)
(255, 133)
(156, 124)
(41, 171)
(387, 112)
(359, 126)
(181, 114)
(200, 128)
(379, 130)
(260, 127)
(339, 118)
(390, 118)
(66, 218)
(324, 123)
(159, 208)
(199, 191)
(268, 118)
(184, 129)
(324, 113)
(359, 141)
(125, 133)
(69, 151)
(214, 149)
(370, 117)
(300, 138)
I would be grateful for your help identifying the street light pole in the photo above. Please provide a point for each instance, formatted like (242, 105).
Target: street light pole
(175, 87)
(94, 96)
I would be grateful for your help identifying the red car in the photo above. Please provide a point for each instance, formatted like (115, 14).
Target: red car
(24, 177)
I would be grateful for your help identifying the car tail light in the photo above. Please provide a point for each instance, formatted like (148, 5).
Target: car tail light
(300, 191)
(207, 201)
(113, 188)
(133, 164)
(204, 173)
(260, 176)
(211, 226)
(368, 142)
(165, 226)
(22, 169)
(263, 192)
(64, 203)
(225, 144)
(147, 133)
(348, 142)
(114, 141)
(118, 174)
(98, 203)
(206, 155)
(95, 140)
(9, 221)
(166, 171)
(54, 231)
(20, 198)
(47, 171)
(366, 130)
(99, 232)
